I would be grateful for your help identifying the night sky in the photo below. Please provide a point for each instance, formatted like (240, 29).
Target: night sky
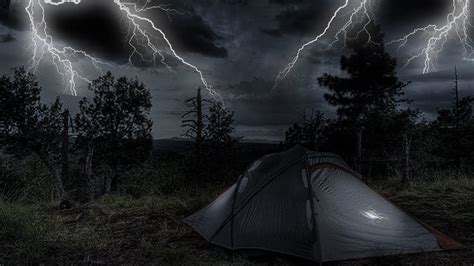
(240, 45)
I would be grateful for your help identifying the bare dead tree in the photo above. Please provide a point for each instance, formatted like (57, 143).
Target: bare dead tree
(457, 117)
(193, 122)
(456, 97)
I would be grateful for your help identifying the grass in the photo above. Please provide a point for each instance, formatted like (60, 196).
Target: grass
(22, 233)
(439, 184)
(121, 229)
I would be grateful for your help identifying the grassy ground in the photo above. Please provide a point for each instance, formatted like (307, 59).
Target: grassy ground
(149, 230)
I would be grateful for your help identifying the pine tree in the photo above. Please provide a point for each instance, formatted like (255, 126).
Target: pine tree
(370, 85)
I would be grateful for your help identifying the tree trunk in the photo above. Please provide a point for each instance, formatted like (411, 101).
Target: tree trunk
(43, 156)
(407, 147)
(199, 133)
(88, 172)
(457, 122)
(359, 149)
(114, 181)
(199, 129)
(65, 148)
(106, 185)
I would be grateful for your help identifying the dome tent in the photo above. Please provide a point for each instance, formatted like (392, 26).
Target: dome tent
(311, 205)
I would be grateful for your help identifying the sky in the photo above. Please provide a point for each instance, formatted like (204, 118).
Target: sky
(240, 46)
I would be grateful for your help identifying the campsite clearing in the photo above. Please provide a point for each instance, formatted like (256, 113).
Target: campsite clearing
(149, 230)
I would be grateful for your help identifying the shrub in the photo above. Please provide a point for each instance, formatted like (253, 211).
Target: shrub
(20, 233)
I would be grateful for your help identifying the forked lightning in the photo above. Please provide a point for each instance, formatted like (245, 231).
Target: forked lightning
(143, 37)
(457, 25)
(355, 15)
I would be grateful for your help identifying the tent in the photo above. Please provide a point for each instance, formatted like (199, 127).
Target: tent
(311, 205)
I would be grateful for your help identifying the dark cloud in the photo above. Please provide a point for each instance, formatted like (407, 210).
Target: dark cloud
(233, 29)
(256, 105)
(409, 13)
(4, 4)
(12, 14)
(93, 27)
(300, 17)
(303, 17)
(99, 28)
(7, 38)
(287, 2)
(439, 76)
(324, 56)
(429, 101)
(191, 33)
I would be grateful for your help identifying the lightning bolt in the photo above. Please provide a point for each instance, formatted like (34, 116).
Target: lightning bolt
(457, 25)
(43, 44)
(143, 35)
(356, 15)
(60, 2)
(132, 11)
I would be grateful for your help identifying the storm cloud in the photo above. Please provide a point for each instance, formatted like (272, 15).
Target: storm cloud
(240, 46)
(99, 28)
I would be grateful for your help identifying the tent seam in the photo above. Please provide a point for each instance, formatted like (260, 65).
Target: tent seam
(247, 200)
(313, 211)
(234, 199)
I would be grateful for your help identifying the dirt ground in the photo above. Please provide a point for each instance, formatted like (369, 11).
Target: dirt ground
(122, 230)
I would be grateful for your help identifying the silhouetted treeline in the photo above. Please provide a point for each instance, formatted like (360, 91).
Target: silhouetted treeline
(107, 147)
(376, 128)
(85, 154)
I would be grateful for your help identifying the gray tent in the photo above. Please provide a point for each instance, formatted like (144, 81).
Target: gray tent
(311, 205)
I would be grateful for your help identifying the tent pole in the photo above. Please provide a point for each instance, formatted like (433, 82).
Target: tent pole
(234, 199)
(313, 211)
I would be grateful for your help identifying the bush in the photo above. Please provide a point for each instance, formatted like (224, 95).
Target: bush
(15, 223)
(20, 232)
(26, 180)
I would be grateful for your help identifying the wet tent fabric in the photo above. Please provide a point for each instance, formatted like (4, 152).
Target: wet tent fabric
(310, 205)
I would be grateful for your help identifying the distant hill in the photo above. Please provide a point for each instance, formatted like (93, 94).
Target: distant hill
(174, 145)
(260, 141)
(181, 145)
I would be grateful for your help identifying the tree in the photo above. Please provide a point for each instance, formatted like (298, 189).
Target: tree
(220, 149)
(294, 135)
(405, 124)
(310, 134)
(193, 123)
(29, 126)
(114, 128)
(370, 85)
(314, 125)
(220, 126)
(460, 114)
(455, 126)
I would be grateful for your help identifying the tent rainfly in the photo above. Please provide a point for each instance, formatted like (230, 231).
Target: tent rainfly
(311, 205)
